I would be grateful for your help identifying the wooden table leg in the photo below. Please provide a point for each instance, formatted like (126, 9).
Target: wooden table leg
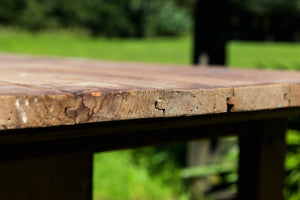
(261, 164)
(59, 178)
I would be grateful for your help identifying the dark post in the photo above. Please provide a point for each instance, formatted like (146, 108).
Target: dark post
(58, 177)
(210, 35)
(261, 164)
(211, 21)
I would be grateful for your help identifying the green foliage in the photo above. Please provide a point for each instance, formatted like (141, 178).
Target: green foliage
(292, 166)
(134, 18)
(9, 10)
(112, 18)
(167, 18)
(278, 7)
(116, 177)
(35, 15)
(165, 162)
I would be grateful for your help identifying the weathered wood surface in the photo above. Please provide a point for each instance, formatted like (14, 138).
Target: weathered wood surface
(41, 92)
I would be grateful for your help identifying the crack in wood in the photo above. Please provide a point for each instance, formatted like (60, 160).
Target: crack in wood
(229, 105)
(230, 102)
(158, 105)
(286, 96)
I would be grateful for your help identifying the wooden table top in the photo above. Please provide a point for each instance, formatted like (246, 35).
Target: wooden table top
(41, 92)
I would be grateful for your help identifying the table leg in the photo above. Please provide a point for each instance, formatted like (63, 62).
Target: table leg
(59, 178)
(261, 164)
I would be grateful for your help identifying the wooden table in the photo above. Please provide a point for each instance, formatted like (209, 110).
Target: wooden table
(54, 113)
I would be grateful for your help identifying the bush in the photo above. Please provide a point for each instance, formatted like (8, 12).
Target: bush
(9, 10)
(292, 166)
(117, 177)
(278, 7)
(108, 18)
(35, 15)
(167, 18)
(135, 18)
(113, 18)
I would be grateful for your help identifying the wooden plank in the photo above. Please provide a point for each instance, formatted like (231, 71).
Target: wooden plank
(90, 70)
(96, 137)
(60, 178)
(258, 98)
(133, 71)
(112, 138)
(294, 95)
(261, 164)
(71, 91)
(12, 136)
(34, 110)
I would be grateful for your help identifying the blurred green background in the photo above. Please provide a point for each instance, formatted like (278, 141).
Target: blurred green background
(150, 31)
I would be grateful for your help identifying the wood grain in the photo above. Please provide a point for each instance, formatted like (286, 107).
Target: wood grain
(42, 92)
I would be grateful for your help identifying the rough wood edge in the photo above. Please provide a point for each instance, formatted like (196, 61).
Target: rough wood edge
(52, 110)
(264, 97)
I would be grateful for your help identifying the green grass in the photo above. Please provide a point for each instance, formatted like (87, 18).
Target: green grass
(115, 175)
(155, 50)
(268, 55)
(117, 178)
